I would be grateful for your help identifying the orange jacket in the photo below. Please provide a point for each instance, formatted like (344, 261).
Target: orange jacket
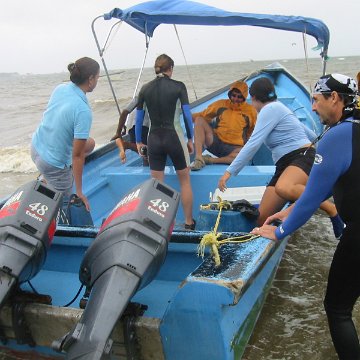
(234, 122)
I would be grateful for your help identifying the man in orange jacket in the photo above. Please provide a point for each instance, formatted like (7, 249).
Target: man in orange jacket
(223, 127)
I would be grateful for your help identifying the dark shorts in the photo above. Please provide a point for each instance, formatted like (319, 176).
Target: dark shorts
(294, 158)
(144, 134)
(221, 149)
(167, 142)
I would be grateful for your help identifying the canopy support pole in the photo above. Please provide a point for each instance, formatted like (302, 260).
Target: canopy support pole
(147, 42)
(187, 66)
(101, 54)
(306, 61)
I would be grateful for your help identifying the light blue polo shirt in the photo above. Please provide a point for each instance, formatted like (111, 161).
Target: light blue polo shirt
(67, 117)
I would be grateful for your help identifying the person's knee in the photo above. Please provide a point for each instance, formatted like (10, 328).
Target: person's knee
(90, 145)
(286, 191)
(232, 155)
(184, 177)
(199, 122)
(184, 174)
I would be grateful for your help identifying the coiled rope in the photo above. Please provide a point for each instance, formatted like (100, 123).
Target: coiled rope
(211, 239)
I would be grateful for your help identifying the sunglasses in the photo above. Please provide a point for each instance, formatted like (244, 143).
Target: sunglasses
(237, 96)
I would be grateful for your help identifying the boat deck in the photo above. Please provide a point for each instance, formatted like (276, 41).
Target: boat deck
(192, 289)
(118, 179)
(246, 260)
(106, 180)
(59, 273)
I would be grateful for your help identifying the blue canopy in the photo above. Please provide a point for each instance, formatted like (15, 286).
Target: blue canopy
(146, 16)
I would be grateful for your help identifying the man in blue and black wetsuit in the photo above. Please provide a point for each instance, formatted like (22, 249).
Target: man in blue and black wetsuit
(336, 172)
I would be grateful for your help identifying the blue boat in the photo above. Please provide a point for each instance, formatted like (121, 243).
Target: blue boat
(189, 307)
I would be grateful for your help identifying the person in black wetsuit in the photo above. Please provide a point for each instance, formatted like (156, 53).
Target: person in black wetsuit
(163, 99)
(336, 172)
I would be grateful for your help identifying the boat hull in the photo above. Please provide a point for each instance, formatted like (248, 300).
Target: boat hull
(187, 309)
(192, 309)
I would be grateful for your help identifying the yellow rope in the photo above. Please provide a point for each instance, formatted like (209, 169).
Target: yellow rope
(211, 239)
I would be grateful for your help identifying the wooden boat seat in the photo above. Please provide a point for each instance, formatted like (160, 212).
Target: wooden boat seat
(128, 176)
(118, 180)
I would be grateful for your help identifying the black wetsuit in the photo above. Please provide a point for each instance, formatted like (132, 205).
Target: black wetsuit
(336, 172)
(163, 99)
(344, 277)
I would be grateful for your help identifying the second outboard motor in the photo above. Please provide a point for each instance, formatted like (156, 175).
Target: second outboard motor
(125, 256)
(27, 227)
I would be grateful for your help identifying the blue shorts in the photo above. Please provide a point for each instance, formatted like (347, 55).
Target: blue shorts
(60, 179)
(221, 149)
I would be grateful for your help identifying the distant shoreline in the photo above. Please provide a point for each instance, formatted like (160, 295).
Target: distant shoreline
(312, 58)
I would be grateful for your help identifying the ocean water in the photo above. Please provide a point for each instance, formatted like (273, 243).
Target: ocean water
(293, 323)
(23, 99)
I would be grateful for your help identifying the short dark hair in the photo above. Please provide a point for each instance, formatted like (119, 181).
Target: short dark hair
(82, 69)
(263, 90)
(347, 99)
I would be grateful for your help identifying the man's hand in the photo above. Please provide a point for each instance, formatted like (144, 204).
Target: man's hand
(84, 200)
(116, 136)
(139, 146)
(122, 156)
(266, 231)
(281, 215)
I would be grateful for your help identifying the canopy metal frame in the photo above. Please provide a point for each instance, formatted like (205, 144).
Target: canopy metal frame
(146, 17)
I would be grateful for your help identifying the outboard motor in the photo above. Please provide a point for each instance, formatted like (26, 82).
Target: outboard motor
(125, 256)
(27, 227)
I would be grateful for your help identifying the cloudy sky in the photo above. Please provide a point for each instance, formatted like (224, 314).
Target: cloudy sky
(44, 36)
